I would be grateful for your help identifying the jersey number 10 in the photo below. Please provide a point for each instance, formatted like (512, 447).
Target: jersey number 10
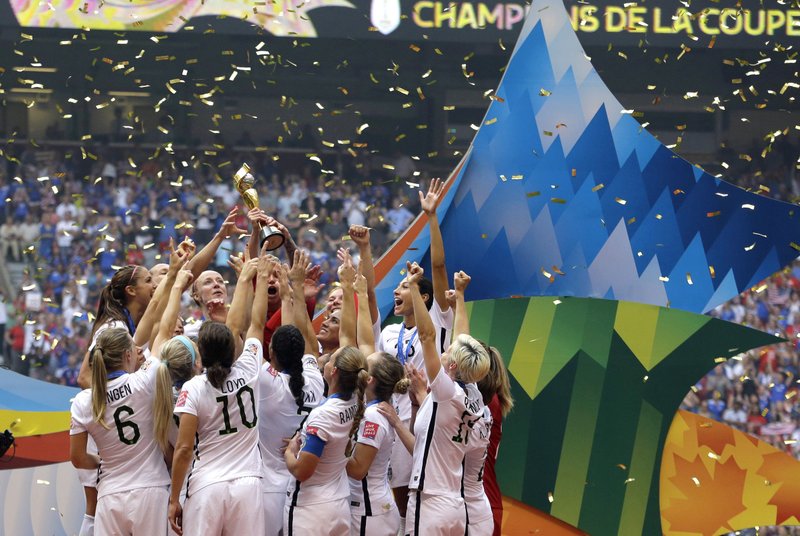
(242, 413)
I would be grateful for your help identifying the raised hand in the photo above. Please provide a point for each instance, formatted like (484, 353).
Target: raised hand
(284, 288)
(360, 235)
(418, 389)
(450, 296)
(257, 217)
(249, 270)
(236, 262)
(188, 247)
(414, 273)
(229, 227)
(461, 280)
(311, 284)
(300, 266)
(430, 201)
(265, 265)
(346, 271)
(183, 280)
(360, 285)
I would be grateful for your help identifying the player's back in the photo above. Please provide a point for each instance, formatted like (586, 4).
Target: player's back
(280, 417)
(227, 422)
(129, 452)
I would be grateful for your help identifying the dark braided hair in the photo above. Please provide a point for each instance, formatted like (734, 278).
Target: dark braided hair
(287, 346)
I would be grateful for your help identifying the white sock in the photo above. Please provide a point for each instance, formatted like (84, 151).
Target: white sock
(402, 527)
(87, 527)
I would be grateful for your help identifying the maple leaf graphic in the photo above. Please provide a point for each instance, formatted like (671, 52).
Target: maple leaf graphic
(782, 470)
(724, 490)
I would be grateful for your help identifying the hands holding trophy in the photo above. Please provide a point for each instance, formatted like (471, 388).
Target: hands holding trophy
(244, 181)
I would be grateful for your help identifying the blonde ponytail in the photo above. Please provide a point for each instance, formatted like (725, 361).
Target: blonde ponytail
(177, 365)
(162, 406)
(99, 384)
(108, 355)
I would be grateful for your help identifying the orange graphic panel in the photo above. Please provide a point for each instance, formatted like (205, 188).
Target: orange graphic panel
(716, 480)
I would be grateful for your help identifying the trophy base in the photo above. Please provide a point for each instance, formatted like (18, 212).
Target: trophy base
(274, 240)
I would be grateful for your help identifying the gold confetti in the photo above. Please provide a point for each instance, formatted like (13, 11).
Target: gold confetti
(598, 187)
(689, 278)
(712, 272)
(530, 194)
(558, 200)
(544, 93)
(620, 201)
(713, 214)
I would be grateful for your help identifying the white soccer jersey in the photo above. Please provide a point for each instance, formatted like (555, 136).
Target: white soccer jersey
(279, 417)
(412, 349)
(442, 433)
(478, 507)
(130, 455)
(372, 495)
(227, 433)
(331, 422)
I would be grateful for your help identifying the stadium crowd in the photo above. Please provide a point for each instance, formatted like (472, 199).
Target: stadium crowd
(72, 220)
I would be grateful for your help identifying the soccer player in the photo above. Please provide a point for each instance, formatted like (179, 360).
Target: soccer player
(403, 341)
(317, 501)
(442, 424)
(118, 414)
(218, 424)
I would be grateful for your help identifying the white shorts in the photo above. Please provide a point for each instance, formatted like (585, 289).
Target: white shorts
(433, 515)
(484, 527)
(137, 511)
(382, 525)
(322, 519)
(274, 504)
(400, 463)
(235, 505)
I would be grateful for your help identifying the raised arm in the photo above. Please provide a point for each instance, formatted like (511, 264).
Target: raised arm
(203, 259)
(425, 330)
(297, 276)
(360, 235)
(430, 203)
(285, 291)
(167, 325)
(266, 264)
(364, 334)
(347, 323)
(461, 323)
(181, 460)
(149, 324)
(240, 304)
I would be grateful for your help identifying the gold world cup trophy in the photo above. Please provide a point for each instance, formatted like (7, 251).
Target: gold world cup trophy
(244, 181)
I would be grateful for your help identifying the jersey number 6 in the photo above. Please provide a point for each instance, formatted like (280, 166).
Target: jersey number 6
(242, 413)
(127, 424)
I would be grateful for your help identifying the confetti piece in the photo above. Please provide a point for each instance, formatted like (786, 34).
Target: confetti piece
(598, 187)
(689, 278)
(530, 194)
(544, 93)
(558, 200)
(713, 214)
(550, 496)
(712, 272)
(620, 201)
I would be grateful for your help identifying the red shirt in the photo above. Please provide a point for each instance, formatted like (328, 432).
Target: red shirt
(274, 320)
(489, 477)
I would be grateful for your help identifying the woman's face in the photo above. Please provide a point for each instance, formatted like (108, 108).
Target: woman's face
(328, 369)
(142, 286)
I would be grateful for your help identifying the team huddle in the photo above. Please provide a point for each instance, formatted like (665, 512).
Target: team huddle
(253, 422)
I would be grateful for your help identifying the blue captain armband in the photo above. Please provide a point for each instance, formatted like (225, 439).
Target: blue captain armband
(314, 445)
